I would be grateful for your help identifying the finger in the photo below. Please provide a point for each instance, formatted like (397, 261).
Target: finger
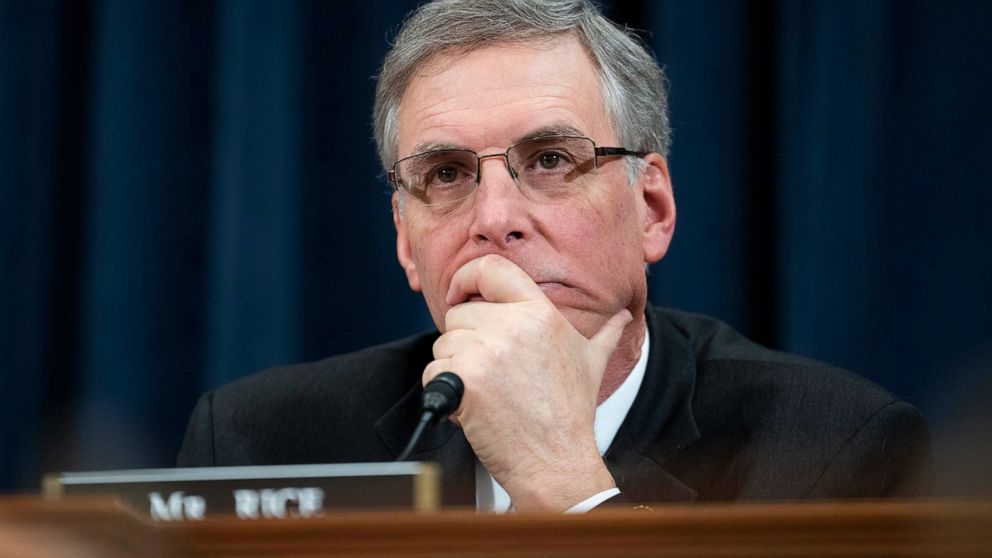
(434, 368)
(496, 279)
(466, 315)
(451, 342)
(605, 340)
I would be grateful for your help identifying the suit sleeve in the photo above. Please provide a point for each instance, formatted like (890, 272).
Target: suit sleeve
(889, 456)
(198, 445)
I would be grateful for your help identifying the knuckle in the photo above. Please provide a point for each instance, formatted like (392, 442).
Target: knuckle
(439, 345)
(451, 316)
(489, 262)
(433, 369)
(497, 347)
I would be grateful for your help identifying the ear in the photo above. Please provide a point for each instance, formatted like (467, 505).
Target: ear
(659, 217)
(403, 251)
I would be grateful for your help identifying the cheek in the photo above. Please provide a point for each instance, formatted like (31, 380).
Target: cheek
(603, 218)
(605, 233)
(433, 248)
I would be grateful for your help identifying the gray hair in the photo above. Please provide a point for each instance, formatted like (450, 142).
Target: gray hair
(633, 85)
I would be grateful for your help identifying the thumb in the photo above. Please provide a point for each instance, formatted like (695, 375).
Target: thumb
(606, 339)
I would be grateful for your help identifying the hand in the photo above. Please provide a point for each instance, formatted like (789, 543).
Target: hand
(531, 382)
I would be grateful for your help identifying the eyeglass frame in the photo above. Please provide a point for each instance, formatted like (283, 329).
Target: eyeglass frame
(597, 153)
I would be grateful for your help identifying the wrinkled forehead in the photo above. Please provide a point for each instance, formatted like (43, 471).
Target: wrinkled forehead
(492, 94)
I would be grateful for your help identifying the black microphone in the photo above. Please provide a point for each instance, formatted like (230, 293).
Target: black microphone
(441, 397)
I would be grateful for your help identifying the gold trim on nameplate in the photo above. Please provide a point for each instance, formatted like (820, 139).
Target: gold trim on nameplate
(427, 488)
(52, 487)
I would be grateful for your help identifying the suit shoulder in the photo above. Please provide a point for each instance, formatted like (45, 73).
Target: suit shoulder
(741, 384)
(321, 411)
(733, 361)
(777, 425)
(397, 363)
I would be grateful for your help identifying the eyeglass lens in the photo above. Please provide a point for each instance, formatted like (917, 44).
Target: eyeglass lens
(541, 167)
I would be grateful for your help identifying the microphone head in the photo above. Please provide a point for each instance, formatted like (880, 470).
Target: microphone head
(443, 394)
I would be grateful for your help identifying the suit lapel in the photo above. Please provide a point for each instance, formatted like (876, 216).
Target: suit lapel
(444, 444)
(640, 478)
(660, 424)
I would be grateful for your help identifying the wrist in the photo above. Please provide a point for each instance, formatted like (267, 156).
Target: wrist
(558, 489)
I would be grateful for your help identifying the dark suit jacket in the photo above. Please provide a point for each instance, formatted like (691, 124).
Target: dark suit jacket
(718, 417)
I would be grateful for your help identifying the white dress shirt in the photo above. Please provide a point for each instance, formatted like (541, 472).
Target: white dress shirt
(490, 496)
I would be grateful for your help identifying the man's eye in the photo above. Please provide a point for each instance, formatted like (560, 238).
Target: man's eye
(445, 174)
(549, 159)
(558, 160)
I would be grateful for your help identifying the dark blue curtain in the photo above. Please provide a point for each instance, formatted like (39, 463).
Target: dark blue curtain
(189, 193)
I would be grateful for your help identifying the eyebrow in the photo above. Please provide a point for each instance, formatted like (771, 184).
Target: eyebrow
(557, 129)
(426, 146)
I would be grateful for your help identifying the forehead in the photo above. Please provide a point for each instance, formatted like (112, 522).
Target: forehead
(494, 96)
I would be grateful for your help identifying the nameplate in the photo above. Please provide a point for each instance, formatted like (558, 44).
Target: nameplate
(260, 492)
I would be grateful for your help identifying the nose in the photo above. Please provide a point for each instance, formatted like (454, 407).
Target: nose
(501, 212)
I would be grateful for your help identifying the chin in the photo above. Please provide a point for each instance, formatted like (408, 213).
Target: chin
(585, 322)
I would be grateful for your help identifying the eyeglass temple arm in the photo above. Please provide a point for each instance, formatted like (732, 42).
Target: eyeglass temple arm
(617, 151)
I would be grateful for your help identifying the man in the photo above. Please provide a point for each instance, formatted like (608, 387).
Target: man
(527, 141)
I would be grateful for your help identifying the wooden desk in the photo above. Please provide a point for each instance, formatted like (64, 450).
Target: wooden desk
(945, 529)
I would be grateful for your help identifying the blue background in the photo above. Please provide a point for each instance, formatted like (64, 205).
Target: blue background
(189, 193)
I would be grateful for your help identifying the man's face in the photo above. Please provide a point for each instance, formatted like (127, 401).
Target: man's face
(586, 250)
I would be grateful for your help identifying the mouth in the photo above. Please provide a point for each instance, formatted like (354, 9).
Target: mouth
(550, 286)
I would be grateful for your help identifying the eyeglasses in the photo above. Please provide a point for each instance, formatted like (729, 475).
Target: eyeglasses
(543, 167)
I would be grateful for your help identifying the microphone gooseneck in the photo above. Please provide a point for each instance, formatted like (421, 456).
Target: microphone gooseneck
(441, 397)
